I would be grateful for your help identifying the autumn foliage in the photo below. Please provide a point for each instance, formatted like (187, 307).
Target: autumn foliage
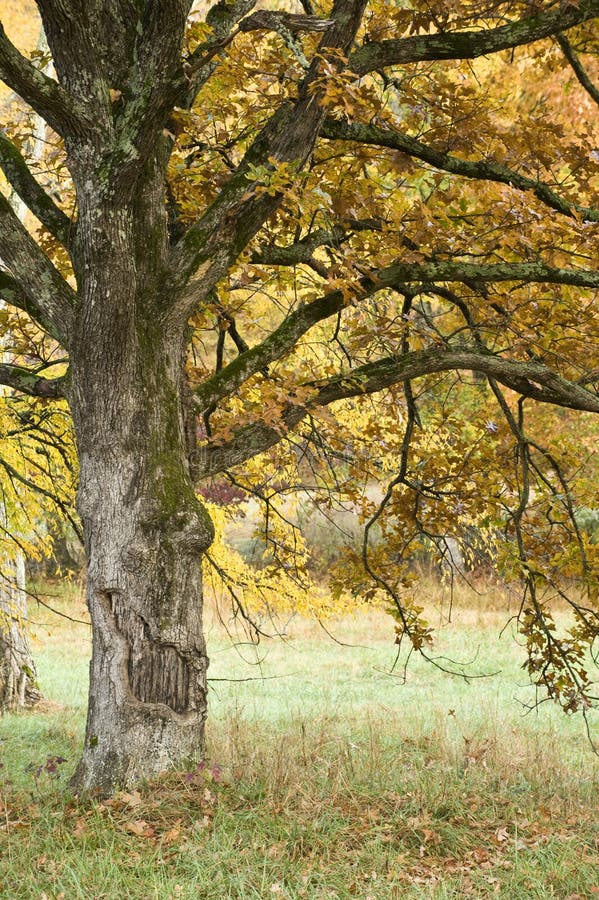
(378, 223)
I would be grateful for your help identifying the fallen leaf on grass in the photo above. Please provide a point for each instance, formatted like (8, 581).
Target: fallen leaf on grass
(172, 835)
(80, 827)
(139, 828)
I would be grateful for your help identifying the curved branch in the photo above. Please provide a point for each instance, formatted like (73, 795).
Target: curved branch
(284, 338)
(471, 44)
(442, 270)
(577, 67)
(12, 293)
(42, 93)
(28, 382)
(529, 379)
(48, 297)
(335, 129)
(31, 193)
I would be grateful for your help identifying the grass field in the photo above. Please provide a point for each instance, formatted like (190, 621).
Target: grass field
(325, 777)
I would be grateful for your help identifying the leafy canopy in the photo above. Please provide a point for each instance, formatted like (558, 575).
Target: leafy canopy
(381, 229)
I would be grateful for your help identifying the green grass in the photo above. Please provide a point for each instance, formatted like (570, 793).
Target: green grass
(338, 779)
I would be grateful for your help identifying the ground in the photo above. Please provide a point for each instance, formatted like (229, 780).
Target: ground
(326, 777)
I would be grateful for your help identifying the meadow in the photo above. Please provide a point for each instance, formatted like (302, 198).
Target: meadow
(327, 774)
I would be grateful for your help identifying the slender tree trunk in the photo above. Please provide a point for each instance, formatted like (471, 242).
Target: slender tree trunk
(18, 686)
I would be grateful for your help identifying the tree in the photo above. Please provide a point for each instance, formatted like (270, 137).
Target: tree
(218, 161)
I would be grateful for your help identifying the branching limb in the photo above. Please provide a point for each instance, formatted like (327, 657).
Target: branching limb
(284, 338)
(471, 44)
(216, 239)
(28, 382)
(529, 379)
(41, 92)
(42, 206)
(335, 129)
(49, 299)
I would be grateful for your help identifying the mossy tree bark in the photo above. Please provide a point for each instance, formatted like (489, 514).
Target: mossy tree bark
(144, 528)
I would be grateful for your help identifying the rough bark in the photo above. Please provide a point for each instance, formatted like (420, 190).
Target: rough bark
(144, 533)
(144, 527)
(18, 687)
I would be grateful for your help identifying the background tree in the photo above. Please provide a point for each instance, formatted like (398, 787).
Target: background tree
(278, 220)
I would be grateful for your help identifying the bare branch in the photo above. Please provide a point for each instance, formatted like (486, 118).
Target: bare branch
(533, 272)
(335, 129)
(277, 20)
(471, 44)
(530, 379)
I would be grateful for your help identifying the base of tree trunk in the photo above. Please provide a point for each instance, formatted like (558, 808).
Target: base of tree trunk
(147, 702)
(151, 742)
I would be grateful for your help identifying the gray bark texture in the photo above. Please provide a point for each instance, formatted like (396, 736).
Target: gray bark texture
(144, 528)
(18, 687)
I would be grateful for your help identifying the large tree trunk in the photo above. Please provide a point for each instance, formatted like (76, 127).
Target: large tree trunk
(18, 687)
(145, 530)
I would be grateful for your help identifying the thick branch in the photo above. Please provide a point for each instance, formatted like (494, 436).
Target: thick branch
(12, 293)
(42, 93)
(471, 44)
(284, 338)
(533, 272)
(301, 251)
(529, 379)
(335, 129)
(28, 382)
(212, 243)
(577, 67)
(49, 299)
(31, 193)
